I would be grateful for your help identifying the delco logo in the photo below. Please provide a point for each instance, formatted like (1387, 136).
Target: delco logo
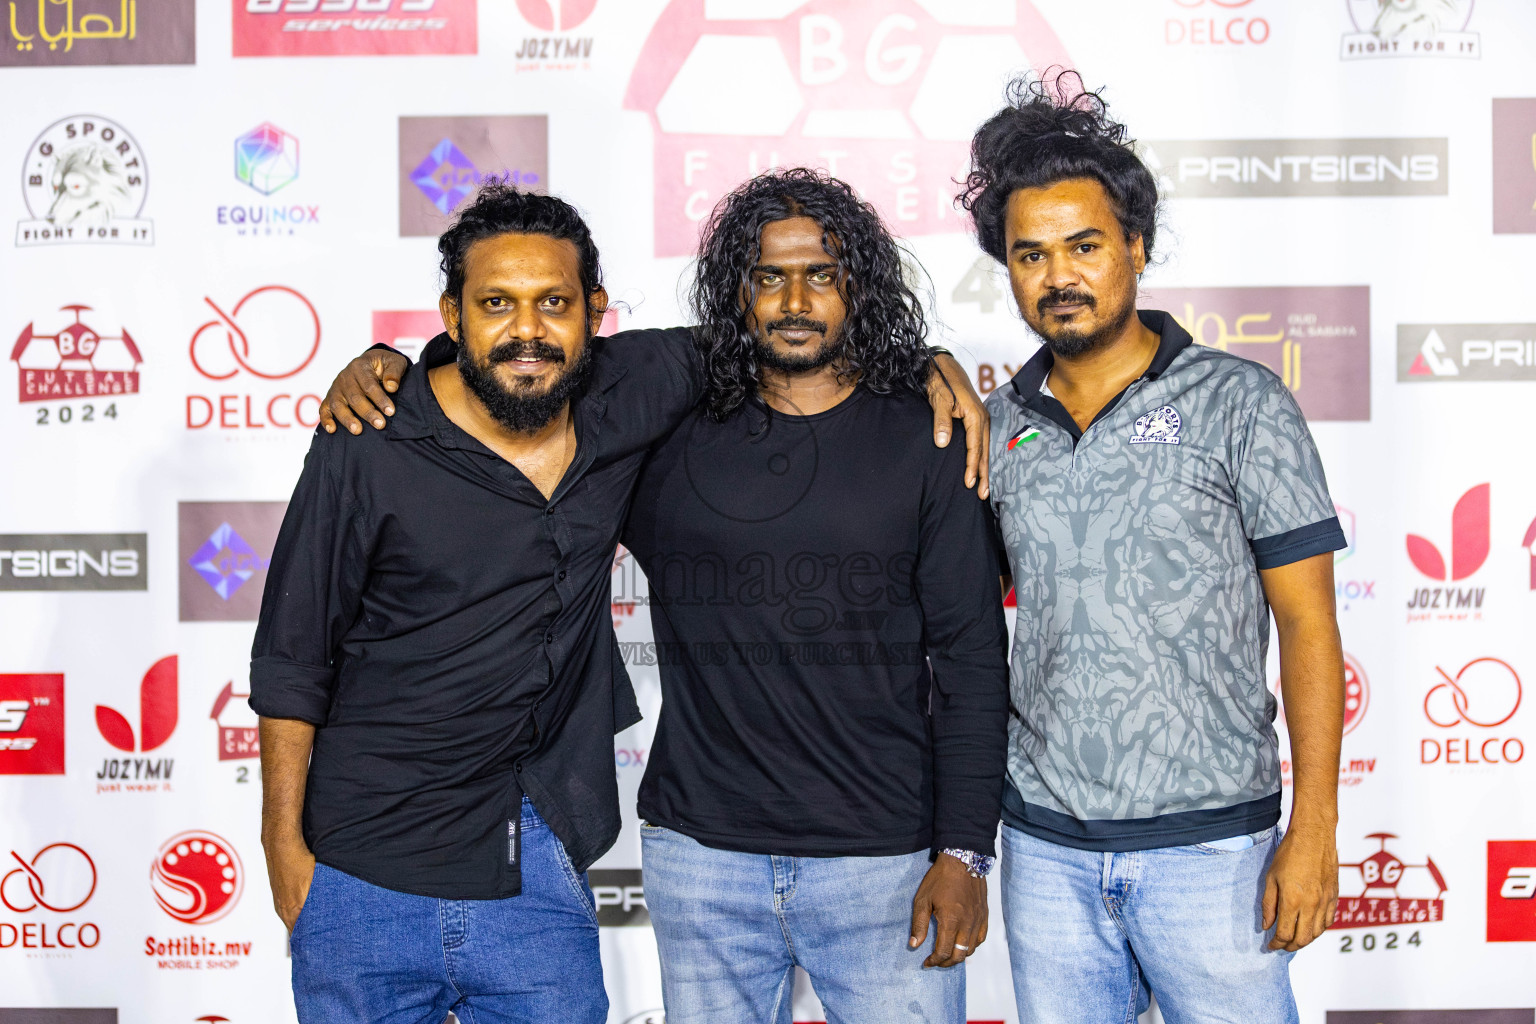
(863, 91)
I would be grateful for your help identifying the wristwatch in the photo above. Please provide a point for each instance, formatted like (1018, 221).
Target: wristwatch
(977, 865)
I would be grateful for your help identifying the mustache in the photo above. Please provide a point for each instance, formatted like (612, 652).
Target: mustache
(1059, 296)
(510, 350)
(798, 323)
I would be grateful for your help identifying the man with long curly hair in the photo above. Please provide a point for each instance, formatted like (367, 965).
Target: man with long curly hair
(825, 778)
(827, 768)
(1158, 500)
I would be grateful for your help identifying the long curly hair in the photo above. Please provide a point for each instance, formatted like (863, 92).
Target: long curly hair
(884, 332)
(1051, 129)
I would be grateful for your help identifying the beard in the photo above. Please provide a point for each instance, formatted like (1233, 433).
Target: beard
(829, 351)
(518, 406)
(1069, 342)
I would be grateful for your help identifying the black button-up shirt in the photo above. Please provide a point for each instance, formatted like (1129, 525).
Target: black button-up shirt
(448, 630)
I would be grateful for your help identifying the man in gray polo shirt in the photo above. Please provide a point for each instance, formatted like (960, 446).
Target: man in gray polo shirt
(1157, 500)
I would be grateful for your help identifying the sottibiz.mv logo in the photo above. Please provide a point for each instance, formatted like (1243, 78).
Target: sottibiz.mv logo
(884, 96)
(1382, 890)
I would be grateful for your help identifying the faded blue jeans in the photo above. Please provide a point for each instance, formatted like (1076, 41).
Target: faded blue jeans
(1092, 935)
(367, 955)
(731, 927)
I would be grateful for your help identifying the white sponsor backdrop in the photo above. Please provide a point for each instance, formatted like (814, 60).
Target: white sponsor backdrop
(886, 93)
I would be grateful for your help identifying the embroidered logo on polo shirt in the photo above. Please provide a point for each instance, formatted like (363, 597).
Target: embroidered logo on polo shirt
(1160, 426)
(1024, 436)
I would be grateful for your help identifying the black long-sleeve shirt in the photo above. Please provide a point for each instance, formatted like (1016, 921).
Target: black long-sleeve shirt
(805, 572)
(448, 629)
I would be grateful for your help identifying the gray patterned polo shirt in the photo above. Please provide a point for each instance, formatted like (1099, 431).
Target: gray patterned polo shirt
(1141, 715)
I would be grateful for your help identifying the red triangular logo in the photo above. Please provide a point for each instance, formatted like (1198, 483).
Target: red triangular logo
(1420, 368)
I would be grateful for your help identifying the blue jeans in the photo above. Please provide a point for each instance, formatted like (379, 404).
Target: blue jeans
(367, 955)
(731, 927)
(1092, 935)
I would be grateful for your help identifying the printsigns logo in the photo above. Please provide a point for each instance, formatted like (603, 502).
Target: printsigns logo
(1470, 352)
(32, 724)
(272, 333)
(1410, 28)
(1514, 166)
(1160, 426)
(226, 549)
(73, 561)
(1390, 892)
(1252, 168)
(1317, 339)
(337, 28)
(620, 897)
(197, 877)
(237, 742)
(97, 32)
(1512, 891)
(76, 362)
(863, 91)
(444, 159)
(85, 180)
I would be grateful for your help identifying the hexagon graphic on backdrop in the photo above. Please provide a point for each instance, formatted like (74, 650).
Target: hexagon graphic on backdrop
(267, 158)
(884, 96)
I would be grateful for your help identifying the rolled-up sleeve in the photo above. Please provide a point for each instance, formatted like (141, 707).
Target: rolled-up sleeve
(314, 586)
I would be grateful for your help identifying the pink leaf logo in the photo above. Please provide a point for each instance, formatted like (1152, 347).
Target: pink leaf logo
(157, 711)
(1469, 540)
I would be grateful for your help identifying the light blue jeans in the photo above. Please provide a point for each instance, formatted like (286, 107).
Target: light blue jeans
(367, 955)
(1092, 935)
(731, 927)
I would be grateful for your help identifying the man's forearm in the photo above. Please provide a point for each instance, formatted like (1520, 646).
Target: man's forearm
(1312, 684)
(285, 748)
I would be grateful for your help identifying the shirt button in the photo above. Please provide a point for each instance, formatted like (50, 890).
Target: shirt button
(549, 638)
(518, 768)
(561, 576)
(550, 510)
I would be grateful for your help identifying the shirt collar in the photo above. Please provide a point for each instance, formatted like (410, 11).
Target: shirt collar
(418, 413)
(1172, 339)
